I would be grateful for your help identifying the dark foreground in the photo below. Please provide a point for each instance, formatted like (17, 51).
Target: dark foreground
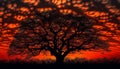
(59, 66)
(76, 64)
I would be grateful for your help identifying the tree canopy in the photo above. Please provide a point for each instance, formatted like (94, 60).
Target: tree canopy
(58, 26)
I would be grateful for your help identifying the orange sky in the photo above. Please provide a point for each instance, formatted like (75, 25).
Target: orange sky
(115, 48)
(114, 53)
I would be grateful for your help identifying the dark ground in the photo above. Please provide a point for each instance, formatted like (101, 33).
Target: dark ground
(49, 64)
(63, 66)
(103, 65)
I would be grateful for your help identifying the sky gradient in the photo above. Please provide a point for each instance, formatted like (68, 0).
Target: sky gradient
(99, 14)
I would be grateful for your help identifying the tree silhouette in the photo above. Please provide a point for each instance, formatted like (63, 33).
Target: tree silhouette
(58, 26)
(57, 33)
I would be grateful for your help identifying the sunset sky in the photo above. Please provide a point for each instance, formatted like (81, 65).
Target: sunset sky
(106, 18)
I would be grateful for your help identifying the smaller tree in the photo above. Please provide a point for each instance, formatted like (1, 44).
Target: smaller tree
(60, 34)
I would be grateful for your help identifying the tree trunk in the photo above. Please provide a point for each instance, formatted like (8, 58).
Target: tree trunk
(59, 59)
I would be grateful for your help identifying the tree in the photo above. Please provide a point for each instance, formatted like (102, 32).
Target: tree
(57, 33)
(68, 26)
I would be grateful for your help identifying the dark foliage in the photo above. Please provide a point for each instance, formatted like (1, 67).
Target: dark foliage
(59, 32)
